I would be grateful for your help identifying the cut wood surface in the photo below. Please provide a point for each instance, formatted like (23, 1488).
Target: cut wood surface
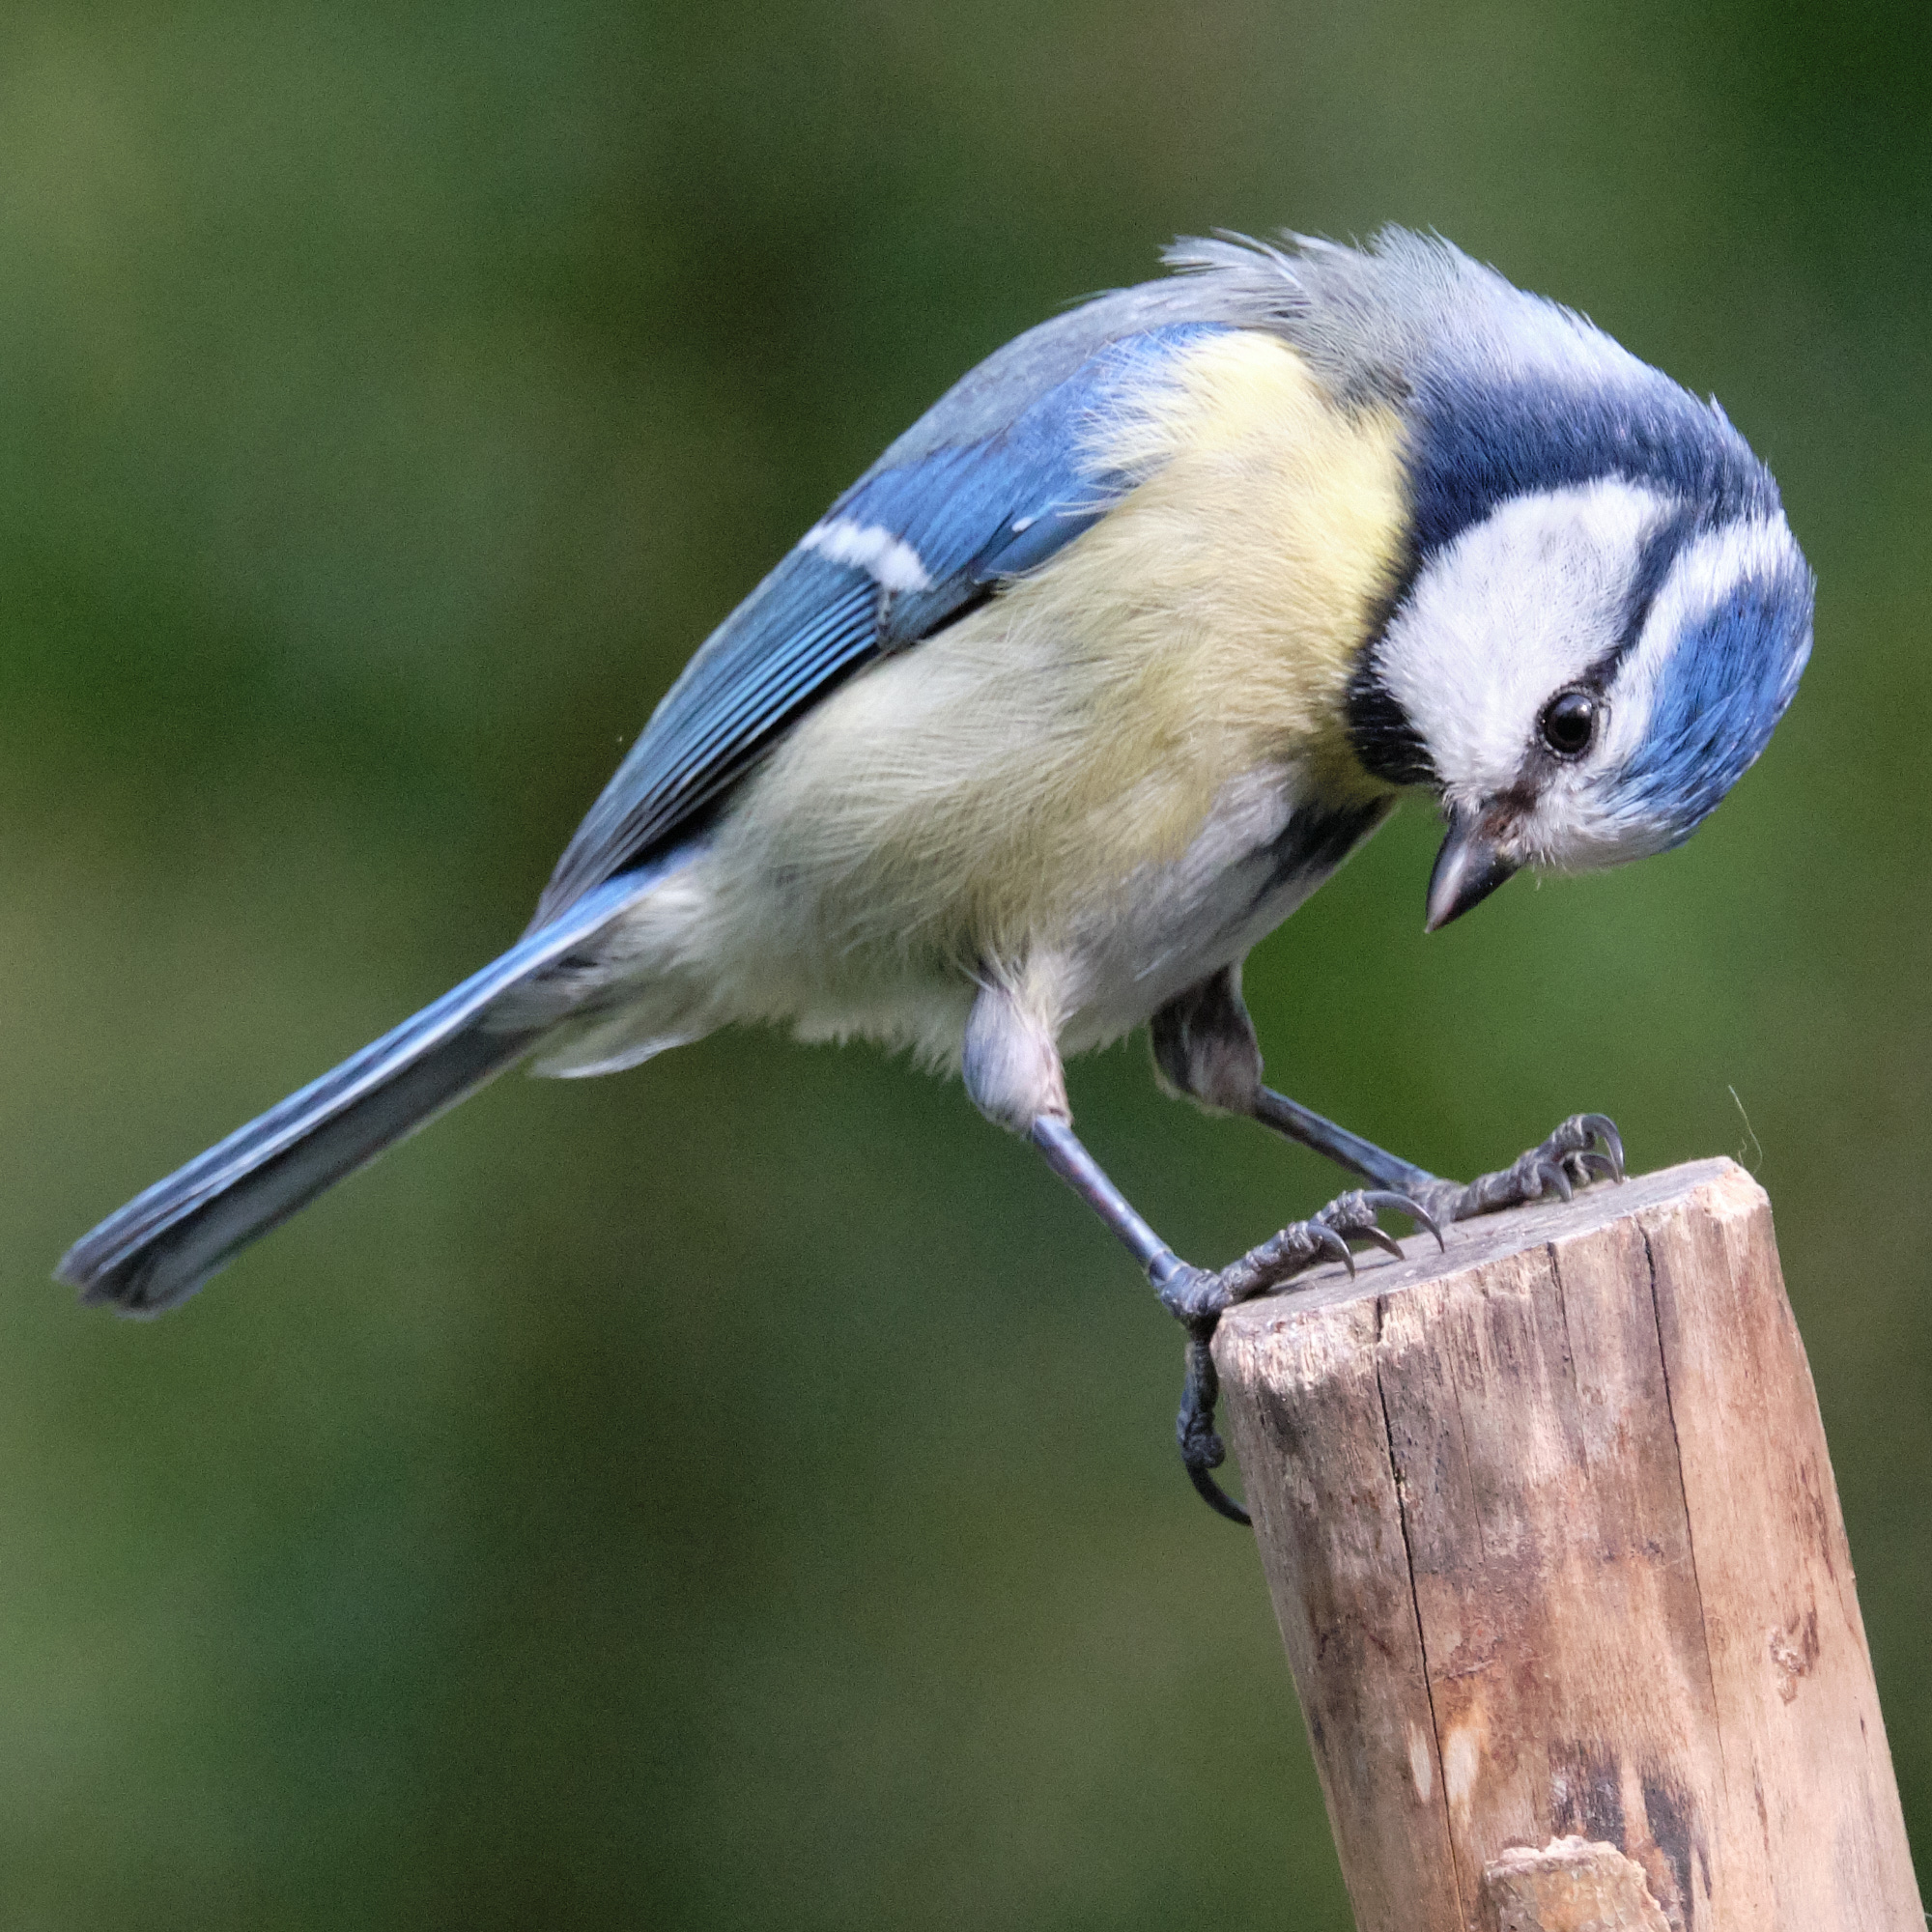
(1552, 1538)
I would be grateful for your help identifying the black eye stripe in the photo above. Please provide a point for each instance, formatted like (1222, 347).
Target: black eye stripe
(1655, 555)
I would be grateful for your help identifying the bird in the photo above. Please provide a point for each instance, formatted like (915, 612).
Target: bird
(1105, 666)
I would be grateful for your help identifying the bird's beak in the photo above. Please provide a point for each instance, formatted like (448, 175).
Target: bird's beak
(1469, 868)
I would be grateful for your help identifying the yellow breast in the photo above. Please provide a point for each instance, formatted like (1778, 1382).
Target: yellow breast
(1249, 565)
(984, 789)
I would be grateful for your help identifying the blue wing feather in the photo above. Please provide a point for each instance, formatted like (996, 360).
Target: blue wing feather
(992, 482)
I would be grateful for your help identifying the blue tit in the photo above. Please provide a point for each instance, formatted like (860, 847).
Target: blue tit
(1084, 687)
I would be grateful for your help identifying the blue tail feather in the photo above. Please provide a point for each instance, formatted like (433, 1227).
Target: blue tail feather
(165, 1242)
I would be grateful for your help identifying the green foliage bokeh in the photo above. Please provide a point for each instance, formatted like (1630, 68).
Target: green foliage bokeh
(741, 1492)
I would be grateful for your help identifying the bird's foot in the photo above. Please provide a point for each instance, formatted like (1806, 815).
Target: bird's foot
(1198, 1297)
(1585, 1147)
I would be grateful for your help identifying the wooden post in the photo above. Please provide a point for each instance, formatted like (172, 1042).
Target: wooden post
(1556, 1554)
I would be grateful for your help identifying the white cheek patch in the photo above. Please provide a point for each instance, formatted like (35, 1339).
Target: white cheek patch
(1513, 609)
(890, 561)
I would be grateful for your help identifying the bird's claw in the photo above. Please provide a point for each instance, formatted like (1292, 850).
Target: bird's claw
(1202, 1451)
(1332, 1243)
(1584, 1149)
(1601, 1128)
(1198, 1298)
(1388, 1244)
(1354, 1214)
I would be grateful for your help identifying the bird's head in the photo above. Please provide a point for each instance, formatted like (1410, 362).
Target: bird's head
(1603, 612)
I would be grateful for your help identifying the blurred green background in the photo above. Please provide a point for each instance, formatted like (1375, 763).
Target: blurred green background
(741, 1493)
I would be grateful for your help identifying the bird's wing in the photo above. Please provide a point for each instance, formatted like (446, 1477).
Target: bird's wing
(990, 482)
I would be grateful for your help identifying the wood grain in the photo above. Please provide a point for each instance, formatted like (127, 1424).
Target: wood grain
(1552, 1538)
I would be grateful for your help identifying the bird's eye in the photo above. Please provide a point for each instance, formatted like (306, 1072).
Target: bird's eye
(1569, 723)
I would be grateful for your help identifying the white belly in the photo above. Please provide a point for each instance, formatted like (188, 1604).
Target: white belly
(1257, 858)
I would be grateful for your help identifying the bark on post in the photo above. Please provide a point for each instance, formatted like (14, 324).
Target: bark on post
(1554, 1546)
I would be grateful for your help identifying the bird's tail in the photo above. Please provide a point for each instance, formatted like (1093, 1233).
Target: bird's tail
(161, 1247)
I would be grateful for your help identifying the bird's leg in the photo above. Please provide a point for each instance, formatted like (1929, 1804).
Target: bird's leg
(1198, 1297)
(1204, 1048)
(1011, 1068)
